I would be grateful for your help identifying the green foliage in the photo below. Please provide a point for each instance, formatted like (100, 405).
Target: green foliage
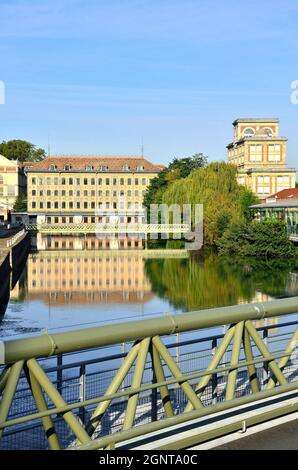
(20, 204)
(264, 239)
(177, 169)
(21, 150)
(215, 186)
(209, 280)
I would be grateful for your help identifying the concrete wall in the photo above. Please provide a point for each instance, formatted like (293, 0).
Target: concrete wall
(4, 281)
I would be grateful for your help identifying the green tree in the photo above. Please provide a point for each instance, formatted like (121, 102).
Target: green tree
(216, 188)
(177, 169)
(21, 150)
(264, 239)
(20, 204)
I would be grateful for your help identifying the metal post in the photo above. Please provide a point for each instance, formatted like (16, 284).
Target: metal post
(186, 387)
(252, 371)
(232, 376)
(82, 391)
(9, 391)
(214, 380)
(56, 398)
(136, 382)
(41, 405)
(284, 360)
(213, 364)
(59, 373)
(264, 351)
(113, 388)
(160, 377)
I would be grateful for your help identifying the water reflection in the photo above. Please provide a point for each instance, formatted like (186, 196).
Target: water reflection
(65, 285)
(211, 281)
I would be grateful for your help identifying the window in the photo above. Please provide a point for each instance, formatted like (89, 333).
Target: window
(55, 181)
(144, 181)
(48, 205)
(274, 153)
(33, 192)
(52, 167)
(103, 168)
(249, 132)
(78, 181)
(256, 153)
(33, 181)
(136, 193)
(99, 193)
(78, 193)
(64, 220)
(56, 220)
(71, 205)
(11, 190)
(107, 181)
(107, 193)
(129, 193)
(85, 219)
(71, 220)
(56, 192)
(125, 167)
(89, 167)
(92, 205)
(71, 193)
(85, 192)
(268, 131)
(67, 167)
(78, 205)
(85, 181)
(48, 180)
(85, 205)
(92, 181)
(114, 181)
(129, 181)
(136, 181)
(48, 220)
(99, 181)
(63, 205)
(140, 168)
(56, 205)
(41, 193)
(70, 181)
(33, 205)
(107, 205)
(122, 181)
(63, 193)
(48, 192)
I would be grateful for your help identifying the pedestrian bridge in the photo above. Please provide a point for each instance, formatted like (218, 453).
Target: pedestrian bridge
(111, 228)
(160, 383)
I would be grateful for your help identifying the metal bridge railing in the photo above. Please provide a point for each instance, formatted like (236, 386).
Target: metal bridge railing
(87, 394)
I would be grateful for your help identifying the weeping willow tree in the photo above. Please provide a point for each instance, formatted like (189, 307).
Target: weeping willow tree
(215, 186)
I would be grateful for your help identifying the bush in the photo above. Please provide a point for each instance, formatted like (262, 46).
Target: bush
(265, 239)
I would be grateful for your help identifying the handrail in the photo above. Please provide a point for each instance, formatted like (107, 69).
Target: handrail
(71, 341)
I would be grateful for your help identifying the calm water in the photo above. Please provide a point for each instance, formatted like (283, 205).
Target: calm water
(81, 287)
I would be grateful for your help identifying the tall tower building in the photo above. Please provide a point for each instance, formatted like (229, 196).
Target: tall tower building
(260, 155)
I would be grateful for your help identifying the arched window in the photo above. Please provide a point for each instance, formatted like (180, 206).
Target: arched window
(249, 132)
(140, 168)
(89, 167)
(52, 167)
(125, 168)
(268, 132)
(67, 167)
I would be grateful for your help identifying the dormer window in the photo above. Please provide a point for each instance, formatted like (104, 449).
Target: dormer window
(67, 167)
(103, 168)
(249, 132)
(52, 167)
(140, 168)
(126, 167)
(268, 132)
(89, 167)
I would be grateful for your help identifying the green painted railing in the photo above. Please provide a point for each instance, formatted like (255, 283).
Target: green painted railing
(23, 357)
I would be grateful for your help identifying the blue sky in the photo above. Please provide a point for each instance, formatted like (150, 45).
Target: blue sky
(103, 76)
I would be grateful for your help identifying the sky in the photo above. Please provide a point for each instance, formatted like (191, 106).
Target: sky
(107, 77)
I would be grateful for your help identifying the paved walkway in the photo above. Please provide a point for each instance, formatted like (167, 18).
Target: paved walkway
(283, 437)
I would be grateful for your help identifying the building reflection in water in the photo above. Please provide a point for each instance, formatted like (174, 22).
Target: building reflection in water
(87, 270)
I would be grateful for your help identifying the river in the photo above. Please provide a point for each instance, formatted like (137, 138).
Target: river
(70, 285)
